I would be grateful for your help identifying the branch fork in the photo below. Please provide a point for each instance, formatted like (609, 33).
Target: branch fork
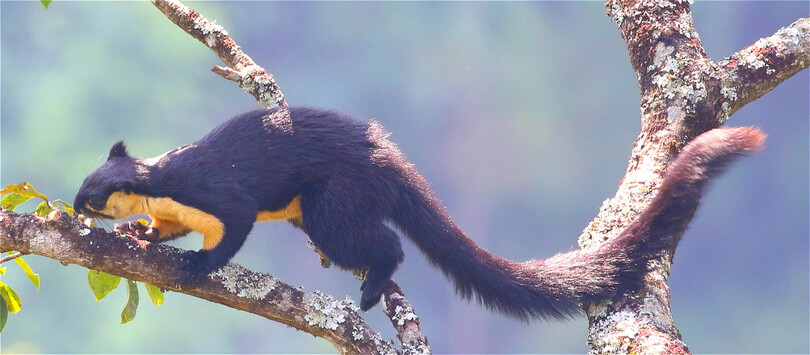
(684, 93)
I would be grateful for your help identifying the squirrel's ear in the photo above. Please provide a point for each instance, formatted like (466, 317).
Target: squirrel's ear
(118, 150)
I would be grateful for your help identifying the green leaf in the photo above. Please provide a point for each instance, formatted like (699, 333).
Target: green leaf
(13, 303)
(3, 314)
(18, 194)
(10, 202)
(155, 294)
(23, 189)
(128, 314)
(102, 283)
(65, 206)
(45, 3)
(43, 209)
(28, 272)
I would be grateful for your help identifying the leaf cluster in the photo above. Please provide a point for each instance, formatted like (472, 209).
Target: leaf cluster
(103, 283)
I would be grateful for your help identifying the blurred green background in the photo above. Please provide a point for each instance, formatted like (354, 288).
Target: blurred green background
(520, 114)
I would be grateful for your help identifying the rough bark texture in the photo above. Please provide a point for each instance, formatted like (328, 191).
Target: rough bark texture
(404, 320)
(758, 68)
(683, 94)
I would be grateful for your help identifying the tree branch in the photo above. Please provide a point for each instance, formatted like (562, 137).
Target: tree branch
(65, 239)
(684, 93)
(758, 68)
(404, 320)
(252, 78)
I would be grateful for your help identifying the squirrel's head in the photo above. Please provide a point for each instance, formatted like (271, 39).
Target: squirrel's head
(108, 191)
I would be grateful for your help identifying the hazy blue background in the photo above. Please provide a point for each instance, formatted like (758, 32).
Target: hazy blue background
(520, 114)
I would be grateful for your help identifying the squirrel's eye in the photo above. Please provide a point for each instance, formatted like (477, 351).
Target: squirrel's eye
(97, 203)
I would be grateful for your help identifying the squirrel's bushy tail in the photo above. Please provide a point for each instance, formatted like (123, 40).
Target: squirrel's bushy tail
(704, 158)
(557, 287)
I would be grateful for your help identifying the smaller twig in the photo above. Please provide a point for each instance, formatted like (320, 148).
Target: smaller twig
(404, 320)
(11, 257)
(227, 73)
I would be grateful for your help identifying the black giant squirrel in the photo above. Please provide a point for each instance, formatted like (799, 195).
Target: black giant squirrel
(342, 179)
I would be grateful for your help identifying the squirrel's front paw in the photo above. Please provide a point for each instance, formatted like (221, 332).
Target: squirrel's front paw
(137, 230)
(195, 266)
